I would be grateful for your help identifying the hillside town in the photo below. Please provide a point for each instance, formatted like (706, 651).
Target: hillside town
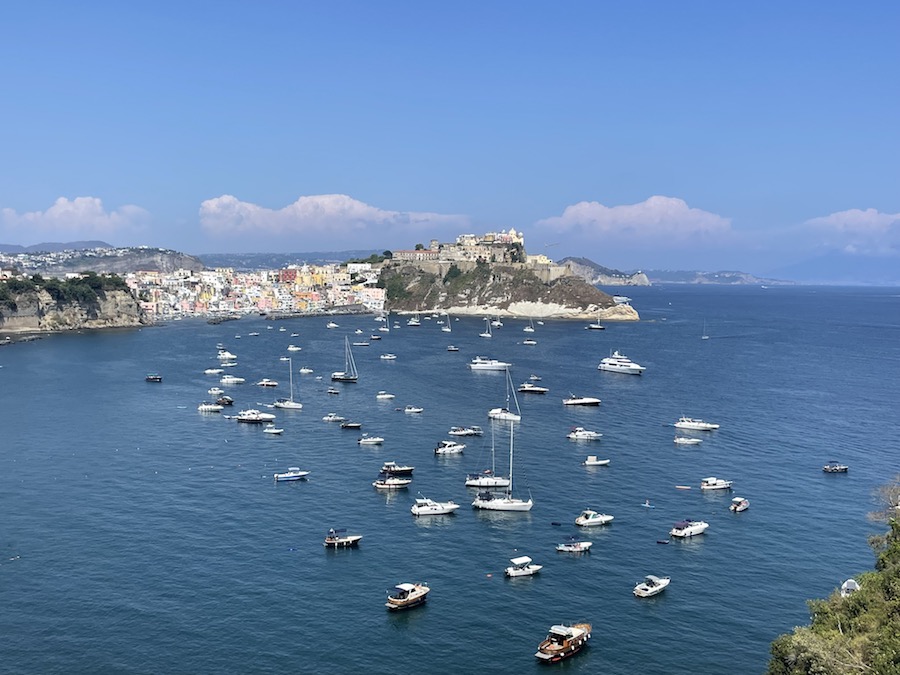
(294, 289)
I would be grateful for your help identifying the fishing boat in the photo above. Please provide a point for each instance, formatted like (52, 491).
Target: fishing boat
(386, 481)
(503, 502)
(429, 507)
(397, 469)
(563, 641)
(650, 586)
(348, 374)
(338, 538)
(574, 546)
(289, 403)
(593, 460)
(522, 566)
(713, 483)
(407, 596)
(293, 473)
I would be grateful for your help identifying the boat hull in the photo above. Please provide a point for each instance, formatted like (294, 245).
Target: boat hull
(503, 504)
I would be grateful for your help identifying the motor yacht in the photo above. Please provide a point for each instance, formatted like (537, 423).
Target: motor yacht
(619, 363)
(407, 596)
(466, 431)
(522, 567)
(581, 400)
(688, 528)
(694, 424)
(590, 518)
(650, 586)
(713, 483)
(266, 382)
(563, 641)
(293, 473)
(482, 363)
(231, 379)
(253, 416)
(429, 507)
(531, 388)
(449, 448)
(207, 407)
(365, 439)
(582, 434)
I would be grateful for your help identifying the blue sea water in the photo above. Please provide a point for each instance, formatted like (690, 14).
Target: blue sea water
(139, 536)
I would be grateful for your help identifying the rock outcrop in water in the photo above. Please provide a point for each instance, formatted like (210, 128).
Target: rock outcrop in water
(506, 290)
(603, 276)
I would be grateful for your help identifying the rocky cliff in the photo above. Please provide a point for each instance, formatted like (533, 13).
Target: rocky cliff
(497, 290)
(37, 311)
(603, 276)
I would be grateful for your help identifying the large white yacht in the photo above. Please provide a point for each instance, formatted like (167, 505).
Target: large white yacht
(428, 507)
(483, 363)
(697, 425)
(688, 528)
(619, 363)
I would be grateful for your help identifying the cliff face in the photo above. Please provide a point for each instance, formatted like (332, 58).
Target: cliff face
(37, 311)
(497, 290)
(603, 276)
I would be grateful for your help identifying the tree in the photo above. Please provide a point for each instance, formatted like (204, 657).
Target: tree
(387, 255)
(420, 247)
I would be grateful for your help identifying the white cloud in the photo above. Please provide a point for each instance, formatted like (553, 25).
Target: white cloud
(858, 231)
(334, 215)
(651, 220)
(81, 217)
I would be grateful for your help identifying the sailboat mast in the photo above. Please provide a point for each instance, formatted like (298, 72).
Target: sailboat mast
(510, 458)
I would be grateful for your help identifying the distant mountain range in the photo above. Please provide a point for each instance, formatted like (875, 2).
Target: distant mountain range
(53, 247)
(272, 261)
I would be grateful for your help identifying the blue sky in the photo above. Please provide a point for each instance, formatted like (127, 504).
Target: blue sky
(642, 135)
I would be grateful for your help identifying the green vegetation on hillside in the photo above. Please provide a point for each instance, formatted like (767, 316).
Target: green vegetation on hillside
(86, 289)
(859, 633)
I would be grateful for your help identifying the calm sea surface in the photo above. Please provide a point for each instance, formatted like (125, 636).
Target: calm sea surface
(139, 536)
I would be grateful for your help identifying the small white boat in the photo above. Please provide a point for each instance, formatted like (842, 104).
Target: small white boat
(266, 382)
(388, 357)
(713, 483)
(574, 546)
(384, 396)
(531, 388)
(225, 355)
(333, 391)
(294, 348)
(386, 481)
(534, 378)
(215, 391)
(293, 473)
(688, 528)
(466, 431)
(581, 400)
(397, 469)
(619, 363)
(413, 409)
(333, 417)
(739, 504)
(331, 324)
(563, 641)
(361, 344)
(590, 518)
(684, 440)
(213, 371)
(407, 596)
(365, 439)
(449, 448)
(504, 414)
(522, 567)
(253, 334)
(582, 434)
(529, 341)
(295, 334)
(849, 587)
(272, 429)
(358, 331)
(305, 370)
(650, 586)
(338, 538)
(351, 425)
(284, 358)
(253, 416)
(207, 407)
(429, 507)
(592, 460)
(835, 467)
(452, 348)
(694, 424)
(231, 379)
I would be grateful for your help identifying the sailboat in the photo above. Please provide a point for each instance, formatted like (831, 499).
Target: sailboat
(446, 327)
(705, 335)
(414, 320)
(487, 329)
(597, 325)
(488, 477)
(348, 374)
(506, 413)
(491, 502)
(289, 403)
(530, 327)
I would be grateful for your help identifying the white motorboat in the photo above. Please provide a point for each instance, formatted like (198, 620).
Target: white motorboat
(581, 400)
(266, 382)
(358, 331)
(522, 566)
(284, 358)
(338, 538)
(361, 343)
(215, 391)
(534, 378)
(386, 481)
(273, 430)
(207, 407)
(593, 460)
(253, 416)
(388, 357)
(429, 507)
(407, 596)
(333, 417)
(688, 528)
(225, 355)
(835, 467)
(384, 395)
(224, 400)
(289, 403)
(449, 448)
(332, 390)
(531, 388)
(619, 363)
(487, 478)
(574, 546)
(351, 425)
(397, 469)
(348, 374)
(231, 379)
(563, 641)
(497, 323)
(582, 434)
(413, 409)
(465, 431)
(621, 299)
(452, 348)
(365, 439)
(213, 371)
(529, 341)
(293, 473)
(590, 518)
(650, 586)
(483, 363)
(294, 348)
(505, 413)
(305, 370)
(694, 424)
(505, 502)
(739, 504)
(684, 440)
(713, 483)
(331, 324)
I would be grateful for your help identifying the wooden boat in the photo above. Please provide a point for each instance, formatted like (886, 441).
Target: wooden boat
(563, 641)
(407, 596)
